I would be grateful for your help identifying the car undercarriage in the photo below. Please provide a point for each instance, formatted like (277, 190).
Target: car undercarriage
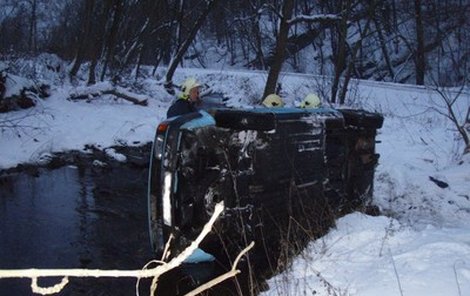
(270, 166)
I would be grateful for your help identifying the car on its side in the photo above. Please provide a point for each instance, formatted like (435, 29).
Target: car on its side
(269, 166)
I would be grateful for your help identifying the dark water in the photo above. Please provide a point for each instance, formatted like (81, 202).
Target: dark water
(76, 217)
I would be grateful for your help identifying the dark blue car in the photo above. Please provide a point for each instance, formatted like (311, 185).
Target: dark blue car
(270, 166)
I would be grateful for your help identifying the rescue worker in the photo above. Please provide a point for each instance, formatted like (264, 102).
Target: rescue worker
(310, 101)
(188, 100)
(273, 100)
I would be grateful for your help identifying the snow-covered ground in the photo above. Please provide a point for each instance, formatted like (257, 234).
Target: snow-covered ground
(422, 246)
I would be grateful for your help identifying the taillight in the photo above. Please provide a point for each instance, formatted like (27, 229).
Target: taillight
(160, 139)
(162, 127)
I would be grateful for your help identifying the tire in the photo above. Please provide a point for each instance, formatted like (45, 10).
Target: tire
(362, 118)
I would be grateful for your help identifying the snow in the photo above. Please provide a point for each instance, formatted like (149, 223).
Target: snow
(61, 125)
(314, 18)
(14, 84)
(99, 164)
(421, 246)
(367, 255)
(110, 152)
(199, 256)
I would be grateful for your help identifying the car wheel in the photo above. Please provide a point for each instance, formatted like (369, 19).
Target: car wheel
(362, 118)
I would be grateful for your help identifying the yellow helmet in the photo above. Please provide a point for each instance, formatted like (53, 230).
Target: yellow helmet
(187, 85)
(310, 101)
(273, 100)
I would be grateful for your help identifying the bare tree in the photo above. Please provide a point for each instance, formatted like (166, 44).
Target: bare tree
(82, 40)
(176, 59)
(251, 34)
(32, 42)
(280, 50)
(340, 56)
(286, 20)
(355, 49)
(420, 59)
(450, 99)
(128, 34)
(97, 37)
(112, 36)
(383, 46)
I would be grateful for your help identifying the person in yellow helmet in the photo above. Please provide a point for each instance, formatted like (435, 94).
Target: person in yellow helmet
(188, 99)
(273, 100)
(310, 101)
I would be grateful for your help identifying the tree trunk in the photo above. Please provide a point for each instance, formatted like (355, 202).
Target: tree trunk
(84, 34)
(280, 50)
(98, 36)
(340, 60)
(91, 73)
(111, 41)
(185, 45)
(354, 51)
(33, 28)
(179, 24)
(420, 61)
(139, 62)
(158, 59)
(259, 43)
(383, 47)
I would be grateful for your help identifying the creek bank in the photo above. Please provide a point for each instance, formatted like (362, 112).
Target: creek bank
(90, 157)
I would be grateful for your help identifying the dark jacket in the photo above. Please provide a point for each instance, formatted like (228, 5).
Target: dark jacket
(180, 107)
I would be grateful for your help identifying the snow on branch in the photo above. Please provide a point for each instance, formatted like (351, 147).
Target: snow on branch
(314, 18)
(154, 273)
(106, 88)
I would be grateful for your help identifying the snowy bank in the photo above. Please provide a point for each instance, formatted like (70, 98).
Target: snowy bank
(367, 255)
(423, 184)
(421, 248)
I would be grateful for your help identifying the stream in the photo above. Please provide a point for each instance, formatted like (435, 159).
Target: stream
(87, 217)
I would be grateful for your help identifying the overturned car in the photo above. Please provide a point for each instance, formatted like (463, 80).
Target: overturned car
(268, 165)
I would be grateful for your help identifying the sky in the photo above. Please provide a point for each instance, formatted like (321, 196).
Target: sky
(419, 246)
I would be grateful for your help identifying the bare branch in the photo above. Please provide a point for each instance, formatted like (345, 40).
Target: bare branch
(154, 273)
(183, 47)
(441, 112)
(49, 290)
(451, 112)
(231, 273)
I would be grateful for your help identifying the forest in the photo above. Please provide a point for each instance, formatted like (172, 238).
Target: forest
(85, 84)
(418, 42)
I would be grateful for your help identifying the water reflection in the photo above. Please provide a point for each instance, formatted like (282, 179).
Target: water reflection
(39, 220)
(75, 217)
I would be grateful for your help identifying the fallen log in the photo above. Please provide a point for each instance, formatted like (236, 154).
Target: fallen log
(94, 91)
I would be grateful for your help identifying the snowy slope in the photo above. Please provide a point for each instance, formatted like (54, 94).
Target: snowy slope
(421, 248)
(380, 256)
